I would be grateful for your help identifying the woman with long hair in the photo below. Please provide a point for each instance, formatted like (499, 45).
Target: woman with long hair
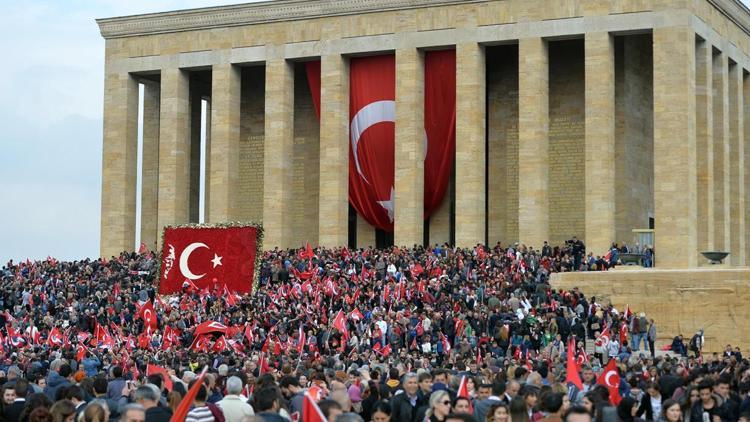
(627, 409)
(173, 399)
(34, 401)
(518, 411)
(671, 411)
(498, 413)
(440, 406)
(63, 411)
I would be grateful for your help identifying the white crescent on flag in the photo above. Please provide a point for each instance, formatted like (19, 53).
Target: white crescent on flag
(185, 256)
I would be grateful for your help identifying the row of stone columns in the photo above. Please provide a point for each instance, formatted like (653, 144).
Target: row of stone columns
(681, 191)
(720, 103)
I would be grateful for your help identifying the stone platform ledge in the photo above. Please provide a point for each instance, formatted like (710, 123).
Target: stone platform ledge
(681, 301)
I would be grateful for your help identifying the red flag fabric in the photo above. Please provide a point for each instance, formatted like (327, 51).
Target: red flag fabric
(200, 343)
(55, 339)
(182, 410)
(603, 339)
(372, 113)
(339, 323)
(572, 375)
(153, 369)
(439, 125)
(463, 391)
(312, 68)
(356, 315)
(310, 410)
(610, 378)
(148, 315)
(219, 345)
(81, 352)
(210, 327)
(202, 255)
(301, 339)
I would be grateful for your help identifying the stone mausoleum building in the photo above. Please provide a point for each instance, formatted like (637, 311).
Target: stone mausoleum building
(585, 118)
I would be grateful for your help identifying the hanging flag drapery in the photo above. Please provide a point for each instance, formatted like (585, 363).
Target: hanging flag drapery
(372, 115)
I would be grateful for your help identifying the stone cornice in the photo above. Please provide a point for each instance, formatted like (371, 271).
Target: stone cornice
(735, 11)
(252, 13)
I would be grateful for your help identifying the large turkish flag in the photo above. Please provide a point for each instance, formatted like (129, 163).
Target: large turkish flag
(208, 257)
(372, 112)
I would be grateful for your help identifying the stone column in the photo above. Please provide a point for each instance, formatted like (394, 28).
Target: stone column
(674, 147)
(174, 149)
(704, 146)
(736, 166)
(720, 151)
(277, 167)
(744, 111)
(533, 151)
(470, 144)
(119, 164)
(600, 142)
(409, 148)
(150, 165)
(334, 152)
(225, 143)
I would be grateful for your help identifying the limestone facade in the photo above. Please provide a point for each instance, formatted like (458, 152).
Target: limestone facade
(574, 118)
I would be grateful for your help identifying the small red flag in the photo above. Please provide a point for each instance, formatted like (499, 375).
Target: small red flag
(572, 375)
(153, 369)
(610, 378)
(310, 410)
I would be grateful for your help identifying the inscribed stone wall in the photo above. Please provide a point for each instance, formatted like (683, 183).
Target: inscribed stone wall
(502, 133)
(305, 168)
(566, 141)
(250, 194)
(634, 148)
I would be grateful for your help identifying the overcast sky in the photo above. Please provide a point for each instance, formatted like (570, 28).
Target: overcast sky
(51, 120)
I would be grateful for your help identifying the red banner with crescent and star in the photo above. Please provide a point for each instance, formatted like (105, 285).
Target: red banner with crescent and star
(372, 115)
(208, 257)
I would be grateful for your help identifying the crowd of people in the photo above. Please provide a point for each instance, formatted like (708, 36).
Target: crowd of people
(420, 334)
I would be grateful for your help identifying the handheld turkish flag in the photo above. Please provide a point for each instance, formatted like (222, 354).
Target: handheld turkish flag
(603, 339)
(356, 315)
(81, 352)
(201, 255)
(210, 327)
(463, 391)
(310, 410)
(148, 315)
(55, 338)
(339, 323)
(153, 369)
(610, 378)
(572, 376)
(301, 339)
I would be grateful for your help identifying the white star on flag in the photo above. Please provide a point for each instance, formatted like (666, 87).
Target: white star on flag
(388, 205)
(216, 260)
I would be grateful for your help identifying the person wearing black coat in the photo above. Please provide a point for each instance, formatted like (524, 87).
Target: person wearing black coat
(653, 395)
(405, 405)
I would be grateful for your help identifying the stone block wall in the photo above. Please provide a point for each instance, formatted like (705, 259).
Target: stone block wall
(566, 141)
(634, 147)
(250, 185)
(679, 301)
